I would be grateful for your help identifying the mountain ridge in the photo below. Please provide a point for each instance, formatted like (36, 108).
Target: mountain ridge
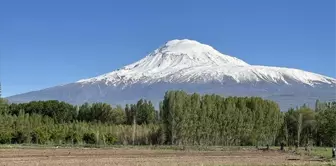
(193, 67)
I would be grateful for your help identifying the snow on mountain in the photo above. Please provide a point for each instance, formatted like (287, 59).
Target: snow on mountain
(193, 67)
(188, 61)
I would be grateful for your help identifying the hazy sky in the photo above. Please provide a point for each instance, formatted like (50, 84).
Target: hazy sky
(47, 43)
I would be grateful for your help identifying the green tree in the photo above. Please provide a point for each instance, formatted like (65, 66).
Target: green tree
(326, 126)
(101, 112)
(85, 113)
(118, 115)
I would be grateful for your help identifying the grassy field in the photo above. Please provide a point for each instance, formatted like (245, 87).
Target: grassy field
(158, 155)
(321, 152)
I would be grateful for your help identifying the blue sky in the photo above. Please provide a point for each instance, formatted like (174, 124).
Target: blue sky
(47, 43)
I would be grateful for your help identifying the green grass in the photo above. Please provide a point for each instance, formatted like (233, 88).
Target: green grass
(321, 152)
(315, 152)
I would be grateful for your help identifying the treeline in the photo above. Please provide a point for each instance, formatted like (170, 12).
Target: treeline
(182, 119)
(305, 126)
(214, 120)
(62, 112)
(39, 129)
(55, 122)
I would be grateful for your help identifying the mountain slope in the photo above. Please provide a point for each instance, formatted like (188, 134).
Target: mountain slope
(194, 67)
(181, 61)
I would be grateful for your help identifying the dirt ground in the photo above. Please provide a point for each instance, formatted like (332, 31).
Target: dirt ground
(99, 157)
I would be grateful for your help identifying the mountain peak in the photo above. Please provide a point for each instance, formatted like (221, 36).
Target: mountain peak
(182, 54)
(186, 61)
(180, 41)
(194, 52)
(185, 46)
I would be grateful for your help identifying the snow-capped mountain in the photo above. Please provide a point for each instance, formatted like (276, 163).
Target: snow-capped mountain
(194, 67)
(188, 61)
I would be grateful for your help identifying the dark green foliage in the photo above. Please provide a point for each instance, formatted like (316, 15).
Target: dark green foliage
(129, 115)
(143, 112)
(84, 113)
(89, 138)
(5, 137)
(326, 125)
(101, 112)
(62, 112)
(110, 139)
(59, 111)
(20, 137)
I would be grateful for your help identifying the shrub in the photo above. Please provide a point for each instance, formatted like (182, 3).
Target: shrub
(40, 136)
(110, 139)
(20, 137)
(5, 137)
(72, 137)
(89, 138)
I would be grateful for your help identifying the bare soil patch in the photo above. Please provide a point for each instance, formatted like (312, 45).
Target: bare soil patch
(123, 156)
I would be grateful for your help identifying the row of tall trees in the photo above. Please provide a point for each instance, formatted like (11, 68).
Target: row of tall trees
(182, 119)
(214, 120)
